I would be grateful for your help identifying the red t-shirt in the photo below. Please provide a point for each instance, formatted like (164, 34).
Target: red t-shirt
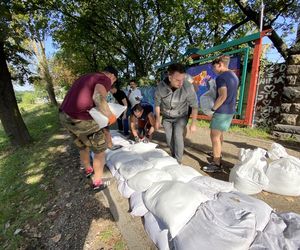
(79, 99)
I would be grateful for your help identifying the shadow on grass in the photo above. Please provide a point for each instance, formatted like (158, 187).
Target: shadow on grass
(44, 200)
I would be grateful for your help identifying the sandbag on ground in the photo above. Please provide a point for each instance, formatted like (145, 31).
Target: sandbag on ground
(181, 173)
(216, 226)
(282, 232)
(260, 209)
(123, 157)
(162, 162)
(210, 186)
(129, 169)
(173, 203)
(249, 175)
(157, 235)
(144, 179)
(284, 176)
(137, 205)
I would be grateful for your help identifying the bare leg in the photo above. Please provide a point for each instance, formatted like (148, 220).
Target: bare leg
(215, 136)
(85, 157)
(108, 137)
(98, 165)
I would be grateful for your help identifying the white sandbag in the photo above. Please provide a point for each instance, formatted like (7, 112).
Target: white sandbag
(210, 186)
(216, 226)
(249, 176)
(284, 177)
(282, 232)
(162, 162)
(144, 179)
(242, 154)
(154, 154)
(260, 209)
(118, 176)
(101, 119)
(207, 100)
(109, 153)
(142, 147)
(137, 205)
(173, 202)
(123, 157)
(181, 173)
(129, 169)
(111, 167)
(157, 235)
(277, 151)
(124, 189)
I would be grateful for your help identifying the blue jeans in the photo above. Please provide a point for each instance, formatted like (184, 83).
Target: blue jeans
(174, 128)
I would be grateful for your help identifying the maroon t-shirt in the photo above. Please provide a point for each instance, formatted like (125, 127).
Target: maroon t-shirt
(79, 99)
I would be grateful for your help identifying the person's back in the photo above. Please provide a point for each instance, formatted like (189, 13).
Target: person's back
(231, 81)
(79, 99)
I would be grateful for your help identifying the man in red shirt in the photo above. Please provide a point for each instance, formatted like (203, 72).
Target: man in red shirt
(89, 91)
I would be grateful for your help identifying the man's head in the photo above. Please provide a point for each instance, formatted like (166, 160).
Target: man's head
(220, 64)
(112, 73)
(137, 110)
(176, 75)
(114, 88)
(133, 84)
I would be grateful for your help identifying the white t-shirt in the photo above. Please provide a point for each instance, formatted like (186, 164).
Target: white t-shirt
(135, 96)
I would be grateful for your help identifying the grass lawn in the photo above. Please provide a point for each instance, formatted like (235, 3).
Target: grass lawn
(25, 174)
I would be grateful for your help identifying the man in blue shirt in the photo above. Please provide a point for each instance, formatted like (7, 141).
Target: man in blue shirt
(223, 109)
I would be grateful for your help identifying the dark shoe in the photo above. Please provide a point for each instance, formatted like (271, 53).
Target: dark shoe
(213, 168)
(211, 154)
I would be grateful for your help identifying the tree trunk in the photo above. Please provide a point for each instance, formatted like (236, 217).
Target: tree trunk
(10, 116)
(47, 76)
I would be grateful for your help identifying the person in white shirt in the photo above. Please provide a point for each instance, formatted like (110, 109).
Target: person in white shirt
(134, 94)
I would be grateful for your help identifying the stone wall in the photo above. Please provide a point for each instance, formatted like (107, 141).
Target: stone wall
(289, 124)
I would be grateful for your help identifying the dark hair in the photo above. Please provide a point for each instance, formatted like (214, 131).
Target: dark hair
(133, 80)
(176, 67)
(111, 70)
(137, 107)
(114, 86)
(224, 59)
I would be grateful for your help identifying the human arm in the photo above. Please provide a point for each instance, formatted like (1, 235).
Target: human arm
(193, 103)
(194, 115)
(222, 92)
(157, 109)
(133, 129)
(99, 98)
(152, 122)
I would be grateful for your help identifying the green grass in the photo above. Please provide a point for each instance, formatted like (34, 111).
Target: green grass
(24, 174)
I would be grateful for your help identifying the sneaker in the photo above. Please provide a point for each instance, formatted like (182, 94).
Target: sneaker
(88, 172)
(99, 185)
(213, 168)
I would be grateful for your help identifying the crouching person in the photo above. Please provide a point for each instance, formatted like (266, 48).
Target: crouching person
(142, 122)
(89, 91)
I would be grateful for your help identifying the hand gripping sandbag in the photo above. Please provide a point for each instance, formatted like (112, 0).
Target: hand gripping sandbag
(101, 119)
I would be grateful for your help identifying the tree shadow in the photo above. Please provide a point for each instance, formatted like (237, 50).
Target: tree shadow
(45, 195)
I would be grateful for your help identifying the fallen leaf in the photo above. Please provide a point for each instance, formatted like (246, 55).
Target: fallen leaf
(56, 238)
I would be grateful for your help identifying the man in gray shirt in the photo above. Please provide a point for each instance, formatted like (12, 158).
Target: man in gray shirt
(173, 97)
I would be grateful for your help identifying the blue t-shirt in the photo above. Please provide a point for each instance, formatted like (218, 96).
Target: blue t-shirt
(229, 80)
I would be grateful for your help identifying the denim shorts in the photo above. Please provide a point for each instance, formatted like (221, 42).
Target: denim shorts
(221, 122)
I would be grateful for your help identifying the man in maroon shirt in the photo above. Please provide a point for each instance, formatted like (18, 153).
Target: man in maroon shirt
(89, 91)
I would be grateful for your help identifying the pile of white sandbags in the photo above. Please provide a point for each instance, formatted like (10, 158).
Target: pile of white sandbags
(274, 171)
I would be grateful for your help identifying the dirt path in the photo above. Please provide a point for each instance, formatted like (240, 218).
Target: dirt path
(75, 216)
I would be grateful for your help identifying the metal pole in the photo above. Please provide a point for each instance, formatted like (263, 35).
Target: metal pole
(262, 7)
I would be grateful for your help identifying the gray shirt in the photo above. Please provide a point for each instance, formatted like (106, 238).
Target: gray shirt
(175, 103)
